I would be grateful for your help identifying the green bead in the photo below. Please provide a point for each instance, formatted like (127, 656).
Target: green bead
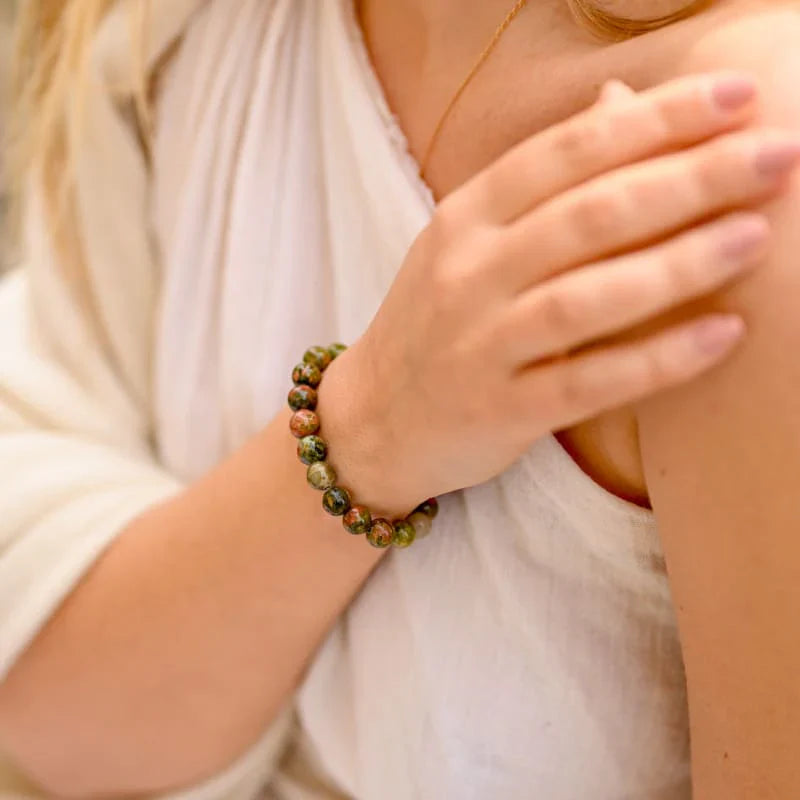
(311, 449)
(303, 397)
(422, 523)
(381, 534)
(404, 534)
(319, 357)
(357, 520)
(304, 423)
(307, 375)
(321, 476)
(337, 349)
(336, 501)
(429, 507)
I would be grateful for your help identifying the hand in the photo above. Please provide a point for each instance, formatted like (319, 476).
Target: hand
(497, 329)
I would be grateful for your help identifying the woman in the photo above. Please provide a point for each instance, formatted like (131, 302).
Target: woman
(166, 577)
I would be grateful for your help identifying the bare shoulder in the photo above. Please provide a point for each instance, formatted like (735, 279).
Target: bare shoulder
(759, 36)
(749, 404)
(722, 458)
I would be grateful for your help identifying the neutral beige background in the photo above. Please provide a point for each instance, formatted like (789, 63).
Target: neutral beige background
(6, 10)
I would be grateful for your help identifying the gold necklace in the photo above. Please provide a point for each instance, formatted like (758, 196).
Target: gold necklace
(482, 59)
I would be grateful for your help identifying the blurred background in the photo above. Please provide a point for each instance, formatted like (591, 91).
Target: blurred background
(6, 14)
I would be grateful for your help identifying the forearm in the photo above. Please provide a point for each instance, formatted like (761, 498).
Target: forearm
(191, 632)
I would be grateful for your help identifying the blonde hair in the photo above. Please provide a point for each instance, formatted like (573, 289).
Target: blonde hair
(611, 26)
(51, 49)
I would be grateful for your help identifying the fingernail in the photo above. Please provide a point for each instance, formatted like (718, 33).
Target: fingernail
(776, 158)
(733, 92)
(744, 236)
(716, 335)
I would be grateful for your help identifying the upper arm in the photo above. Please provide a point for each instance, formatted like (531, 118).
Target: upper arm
(722, 458)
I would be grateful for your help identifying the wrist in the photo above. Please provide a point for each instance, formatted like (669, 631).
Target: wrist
(364, 447)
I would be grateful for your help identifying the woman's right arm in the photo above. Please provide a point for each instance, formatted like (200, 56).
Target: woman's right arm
(189, 633)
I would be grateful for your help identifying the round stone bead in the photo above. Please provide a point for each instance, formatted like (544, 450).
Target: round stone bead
(304, 423)
(303, 397)
(381, 533)
(306, 375)
(357, 520)
(337, 349)
(336, 501)
(311, 449)
(321, 476)
(319, 357)
(422, 523)
(404, 534)
(429, 507)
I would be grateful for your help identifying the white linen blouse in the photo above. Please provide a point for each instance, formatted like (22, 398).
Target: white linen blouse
(528, 648)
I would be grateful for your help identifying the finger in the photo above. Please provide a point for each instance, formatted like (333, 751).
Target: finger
(607, 136)
(572, 390)
(616, 92)
(644, 203)
(609, 298)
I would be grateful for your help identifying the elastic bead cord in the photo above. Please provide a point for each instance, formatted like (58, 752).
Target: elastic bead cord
(312, 450)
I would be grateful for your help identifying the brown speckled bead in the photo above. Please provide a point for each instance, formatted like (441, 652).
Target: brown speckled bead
(381, 534)
(422, 523)
(306, 374)
(321, 476)
(336, 350)
(429, 507)
(304, 423)
(319, 357)
(336, 501)
(404, 534)
(357, 520)
(303, 397)
(311, 449)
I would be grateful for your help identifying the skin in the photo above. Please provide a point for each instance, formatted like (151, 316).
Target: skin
(263, 619)
(718, 459)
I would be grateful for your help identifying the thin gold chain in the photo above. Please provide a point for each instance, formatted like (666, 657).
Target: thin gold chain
(482, 59)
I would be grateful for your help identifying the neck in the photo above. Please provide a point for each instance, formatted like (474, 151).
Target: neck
(429, 35)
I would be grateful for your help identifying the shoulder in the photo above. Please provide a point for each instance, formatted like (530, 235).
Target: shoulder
(759, 36)
(729, 431)
(737, 402)
(763, 39)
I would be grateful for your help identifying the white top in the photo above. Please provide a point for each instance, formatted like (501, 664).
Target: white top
(528, 648)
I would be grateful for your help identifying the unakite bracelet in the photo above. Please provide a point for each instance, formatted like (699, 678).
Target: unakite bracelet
(313, 452)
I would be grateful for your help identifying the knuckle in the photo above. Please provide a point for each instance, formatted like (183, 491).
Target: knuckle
(458, 271)
(597, 216)
(558, 311)
(654, 370)
(648, 120)
(483, 248)
(671, 114)
(661, 119)
(680, 275)
(582, 139)
(718, 168)
(572, 394)
(704, 178)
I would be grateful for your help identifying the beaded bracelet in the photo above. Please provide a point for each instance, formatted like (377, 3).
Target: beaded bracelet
(313, 452)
